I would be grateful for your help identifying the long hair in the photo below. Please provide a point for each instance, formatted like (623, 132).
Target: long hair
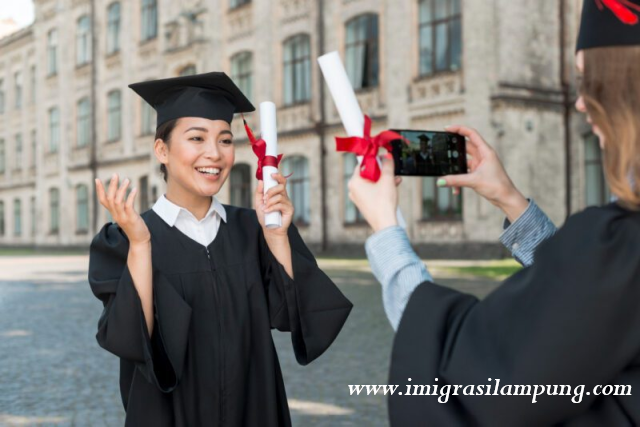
(611, 91)
(164, 133)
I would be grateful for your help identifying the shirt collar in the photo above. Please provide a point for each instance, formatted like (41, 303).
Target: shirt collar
(169, 211)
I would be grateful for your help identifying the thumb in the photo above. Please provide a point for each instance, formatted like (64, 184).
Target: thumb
(463, 180)
(388, 165)
(259, 187)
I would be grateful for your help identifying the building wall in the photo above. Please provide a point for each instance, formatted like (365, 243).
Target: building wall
(509, 88)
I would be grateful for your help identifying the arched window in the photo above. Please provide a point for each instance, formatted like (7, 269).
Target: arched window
(83, 122)
(82, 208)
(297, 69)
(189, 70)
(597, 191)
(113, 28)
(361, 51)
(114, 115)
(17, 217)
(54, 129)
(240, 181)
(54, 211)
(298, 187)
(83, 40)
(242, 72)
(149, 24)
(439, 202)
(440, 36)
(351, 213)
(52, 52)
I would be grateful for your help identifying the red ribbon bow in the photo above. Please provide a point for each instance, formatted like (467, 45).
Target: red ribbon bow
(259, 147)
(618, 8)
(368, 147)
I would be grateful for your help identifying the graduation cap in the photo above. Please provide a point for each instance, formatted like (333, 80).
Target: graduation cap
(609, 23)
(212, 96)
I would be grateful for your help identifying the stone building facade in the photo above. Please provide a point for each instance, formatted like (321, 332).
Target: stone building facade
(503, 67)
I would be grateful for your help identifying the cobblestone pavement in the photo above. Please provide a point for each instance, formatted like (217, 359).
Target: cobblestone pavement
(52, 372)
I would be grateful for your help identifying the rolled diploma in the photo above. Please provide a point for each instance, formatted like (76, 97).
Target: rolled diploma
(270, 136)
(346, 102)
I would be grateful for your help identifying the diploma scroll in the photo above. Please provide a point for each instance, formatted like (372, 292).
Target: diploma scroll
(346, 102)
(269, 134)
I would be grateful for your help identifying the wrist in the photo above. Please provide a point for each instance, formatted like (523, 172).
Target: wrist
(139, 245)
(514, 204)
(385, 222)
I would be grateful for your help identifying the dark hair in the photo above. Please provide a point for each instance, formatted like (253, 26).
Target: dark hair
(164, 133)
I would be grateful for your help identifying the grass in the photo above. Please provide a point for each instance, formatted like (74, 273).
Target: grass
(496, 272)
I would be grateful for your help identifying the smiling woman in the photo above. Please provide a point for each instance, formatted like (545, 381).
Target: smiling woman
(192, 288)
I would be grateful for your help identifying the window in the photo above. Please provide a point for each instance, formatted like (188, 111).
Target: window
(2, 156)
(148, 118)
(298, 187)
(1, 218)
(33, 84)
(240, 181)
(33, 148)
(361, 51)
(18, 162)
(33, 216)
(440, 36)
(113, 28)
(18, 89)
(83, 122)
(439, 202)
(297, 70)
(83, 41)
(149, 20)
(114, 116)
(351, 213)
(144, 193)
(596, 189)
(54, 211)
(54, 129)
(189, 70)
(52, 52)
(1, 96)
(17, 217)
(237, 3)
(82, 214)
(241, 72)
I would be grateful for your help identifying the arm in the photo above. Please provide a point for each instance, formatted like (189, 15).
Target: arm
(397, 268)
(281, 250)
(139, 263)
(527, 231)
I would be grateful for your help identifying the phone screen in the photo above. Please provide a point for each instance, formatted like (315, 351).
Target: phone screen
(429, 153)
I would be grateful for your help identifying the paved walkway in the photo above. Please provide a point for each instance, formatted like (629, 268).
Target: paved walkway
(52, 372)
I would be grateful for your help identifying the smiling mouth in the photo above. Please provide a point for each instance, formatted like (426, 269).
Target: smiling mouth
(209, 171)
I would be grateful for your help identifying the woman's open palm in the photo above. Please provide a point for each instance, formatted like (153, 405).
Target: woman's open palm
(123, 211)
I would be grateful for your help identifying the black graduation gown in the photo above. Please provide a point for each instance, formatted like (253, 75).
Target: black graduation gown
(211, 360)
(572, 318)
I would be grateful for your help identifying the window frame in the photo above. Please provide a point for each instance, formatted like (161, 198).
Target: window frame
(372, 47)
(292, 63)
(448, 20)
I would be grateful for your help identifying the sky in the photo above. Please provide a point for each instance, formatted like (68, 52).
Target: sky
(20, 10)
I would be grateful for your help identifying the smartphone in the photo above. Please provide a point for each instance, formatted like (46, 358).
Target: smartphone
(429, 153)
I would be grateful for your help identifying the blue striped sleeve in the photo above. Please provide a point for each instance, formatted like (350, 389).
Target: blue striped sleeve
(397, 267)
(526, 233)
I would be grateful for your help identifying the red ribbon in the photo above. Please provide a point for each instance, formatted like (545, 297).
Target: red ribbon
(618, 8)
(368, 147)
(259, 147)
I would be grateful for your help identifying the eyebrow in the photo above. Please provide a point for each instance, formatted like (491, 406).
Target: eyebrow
(206, 130)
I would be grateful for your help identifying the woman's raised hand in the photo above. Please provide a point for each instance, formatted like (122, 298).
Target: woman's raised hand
(486, 175)
(122, 210)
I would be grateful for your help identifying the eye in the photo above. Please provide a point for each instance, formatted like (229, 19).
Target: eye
(227, 141)
(196, 138)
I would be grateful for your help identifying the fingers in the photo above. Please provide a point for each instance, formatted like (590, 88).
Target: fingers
(275, 199)
(276, 190)
(474, 137)
(398, 180)
(463, 180)
(118, 205)
(260, 187)
(128, 207)
(102, 197)
(388, 165)
(279, 178)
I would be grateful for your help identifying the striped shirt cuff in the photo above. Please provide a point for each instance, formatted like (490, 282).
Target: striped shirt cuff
(523, 236)
(397, 267)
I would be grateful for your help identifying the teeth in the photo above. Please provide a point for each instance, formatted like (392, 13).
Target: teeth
(214, 171)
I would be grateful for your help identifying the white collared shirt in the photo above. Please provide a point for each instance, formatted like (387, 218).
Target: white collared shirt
(203, 231)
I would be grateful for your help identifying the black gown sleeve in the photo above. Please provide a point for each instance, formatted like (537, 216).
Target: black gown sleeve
(122, 329)
(570, 319)
(310, 306)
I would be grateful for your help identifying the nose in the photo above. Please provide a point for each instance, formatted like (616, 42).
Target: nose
(580, 105)
(212, 150)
